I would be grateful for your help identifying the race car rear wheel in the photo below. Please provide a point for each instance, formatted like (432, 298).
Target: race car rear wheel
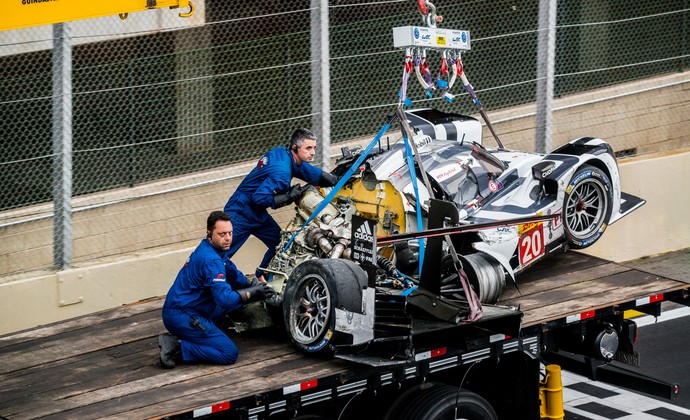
(587, 206)
(313, 291)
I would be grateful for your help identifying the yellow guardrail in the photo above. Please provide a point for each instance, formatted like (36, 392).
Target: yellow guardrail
(26, 13)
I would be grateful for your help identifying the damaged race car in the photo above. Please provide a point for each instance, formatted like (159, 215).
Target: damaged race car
(503, 211)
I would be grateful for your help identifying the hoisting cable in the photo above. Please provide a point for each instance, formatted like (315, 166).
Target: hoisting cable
(410, 153)
(407, 70)
(446, 86)
(477, 102)
(421, 69)
(418, 205)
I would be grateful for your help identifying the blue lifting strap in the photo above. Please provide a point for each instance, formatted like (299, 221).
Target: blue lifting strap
(340, 183)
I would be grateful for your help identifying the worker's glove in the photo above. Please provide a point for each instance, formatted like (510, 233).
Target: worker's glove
(280, 200)
(256, 293)
(328, 179)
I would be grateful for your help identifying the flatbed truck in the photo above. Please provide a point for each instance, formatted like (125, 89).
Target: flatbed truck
(105, 365)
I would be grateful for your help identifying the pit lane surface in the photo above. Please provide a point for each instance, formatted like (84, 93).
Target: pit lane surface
(663, 345)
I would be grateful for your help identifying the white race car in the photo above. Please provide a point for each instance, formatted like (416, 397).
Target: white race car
(566, 198)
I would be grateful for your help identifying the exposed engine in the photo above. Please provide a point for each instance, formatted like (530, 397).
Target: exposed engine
(328, 236)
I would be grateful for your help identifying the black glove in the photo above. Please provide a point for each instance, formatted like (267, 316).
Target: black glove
(280, 200)
(256, 293)
(253, 282)
(328, 179)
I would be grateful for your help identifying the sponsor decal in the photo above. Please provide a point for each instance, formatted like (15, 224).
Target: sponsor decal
(416, 33)
(579, 178)
(364, 233)
(262, 162)
(363, 240)
(220, 277)
(556, 223)
(423, 141)
(464, 36)
(446, 173)
(528, 226)
(531, 244)
(322, 343)
(547, 172)
(426, 37)
(492, 186)
(395, 174)
(440, 40)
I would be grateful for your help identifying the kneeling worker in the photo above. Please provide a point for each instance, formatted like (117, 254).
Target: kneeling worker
(207, 287)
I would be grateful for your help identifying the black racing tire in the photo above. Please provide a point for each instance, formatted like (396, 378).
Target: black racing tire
(313, 291)
(439, 402)
(587, 206)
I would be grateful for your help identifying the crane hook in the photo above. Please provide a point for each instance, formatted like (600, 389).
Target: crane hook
(189, 13)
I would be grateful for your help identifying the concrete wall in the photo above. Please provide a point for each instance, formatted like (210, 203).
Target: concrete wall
(662, 224)
(109, 239)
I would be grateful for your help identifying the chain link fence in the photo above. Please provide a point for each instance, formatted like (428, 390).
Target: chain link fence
(156, 97)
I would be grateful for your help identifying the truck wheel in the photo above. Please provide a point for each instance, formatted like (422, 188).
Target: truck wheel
(315, 288)
(441, 401)
(587, 206)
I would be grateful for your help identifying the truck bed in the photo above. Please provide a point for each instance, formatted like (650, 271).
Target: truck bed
(106, 364)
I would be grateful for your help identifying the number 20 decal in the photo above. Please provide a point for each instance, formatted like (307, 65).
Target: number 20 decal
(531, 245)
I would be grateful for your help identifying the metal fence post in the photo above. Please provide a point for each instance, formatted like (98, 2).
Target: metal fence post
(62, 146)
(320, 78)
(545, 74)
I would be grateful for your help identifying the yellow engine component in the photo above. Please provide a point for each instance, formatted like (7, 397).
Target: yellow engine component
(25, 13)
(383, 203)
(551, 394)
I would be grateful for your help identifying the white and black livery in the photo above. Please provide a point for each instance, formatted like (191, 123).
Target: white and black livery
(509, 210)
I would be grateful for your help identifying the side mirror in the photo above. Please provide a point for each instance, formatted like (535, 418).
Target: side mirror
(542, 170)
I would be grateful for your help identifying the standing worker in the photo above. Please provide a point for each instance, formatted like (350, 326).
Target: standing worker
(207, 287)
(268, 185)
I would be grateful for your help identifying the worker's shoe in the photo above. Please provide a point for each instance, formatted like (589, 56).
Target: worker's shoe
(170, 350)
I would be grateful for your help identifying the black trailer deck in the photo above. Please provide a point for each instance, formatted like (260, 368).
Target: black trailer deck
(106, 364)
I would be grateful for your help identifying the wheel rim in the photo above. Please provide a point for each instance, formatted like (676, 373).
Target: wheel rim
(586, 208)
(310, 310)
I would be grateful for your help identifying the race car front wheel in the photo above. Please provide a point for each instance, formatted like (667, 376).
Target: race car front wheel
(587, 206)
(313, 291)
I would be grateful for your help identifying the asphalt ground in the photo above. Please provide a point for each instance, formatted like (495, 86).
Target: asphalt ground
(664, 347)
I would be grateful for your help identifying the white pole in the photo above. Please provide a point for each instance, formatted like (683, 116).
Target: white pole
(545, 74)
(62, 146)
(325, 87)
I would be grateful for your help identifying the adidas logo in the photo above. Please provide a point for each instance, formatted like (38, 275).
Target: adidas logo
(363, 233)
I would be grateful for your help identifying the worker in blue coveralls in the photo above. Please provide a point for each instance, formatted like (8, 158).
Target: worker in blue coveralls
(208, 287)
(268, 185)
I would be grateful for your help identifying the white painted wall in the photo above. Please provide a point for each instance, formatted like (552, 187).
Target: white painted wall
(662, 225)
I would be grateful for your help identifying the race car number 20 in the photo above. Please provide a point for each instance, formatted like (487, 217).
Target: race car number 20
(531, 244)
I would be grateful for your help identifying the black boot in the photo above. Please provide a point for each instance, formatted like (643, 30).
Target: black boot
(170, 350)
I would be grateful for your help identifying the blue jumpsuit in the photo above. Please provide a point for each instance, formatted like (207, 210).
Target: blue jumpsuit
(204, 290)
(247, 206)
